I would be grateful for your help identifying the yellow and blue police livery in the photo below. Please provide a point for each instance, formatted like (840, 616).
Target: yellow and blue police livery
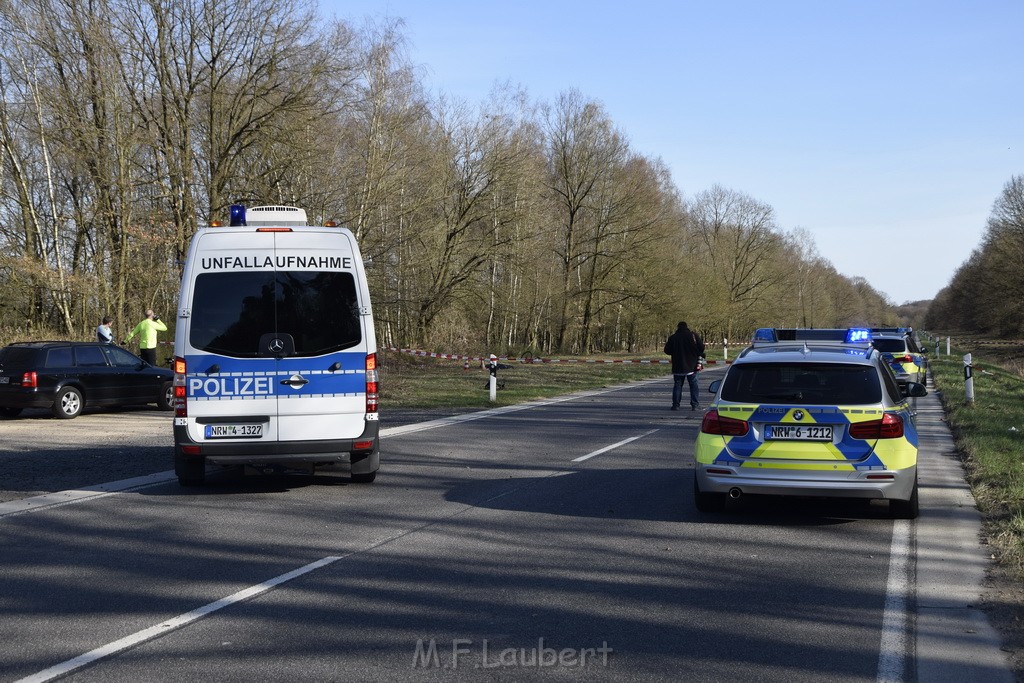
(809, 413)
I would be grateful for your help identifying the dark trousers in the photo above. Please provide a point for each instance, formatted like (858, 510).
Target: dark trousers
(677, 389)
(148, 355)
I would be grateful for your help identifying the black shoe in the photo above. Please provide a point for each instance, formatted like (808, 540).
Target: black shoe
(675, 408)
(694, 406)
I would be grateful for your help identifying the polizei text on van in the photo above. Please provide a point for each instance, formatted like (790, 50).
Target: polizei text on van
(279, 262)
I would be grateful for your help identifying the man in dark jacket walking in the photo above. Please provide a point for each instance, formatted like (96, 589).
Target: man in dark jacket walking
(687, 351)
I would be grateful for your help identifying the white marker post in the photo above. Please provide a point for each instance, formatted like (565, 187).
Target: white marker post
(968, 380)
(493, 382)
(725, 345)
(947, 346)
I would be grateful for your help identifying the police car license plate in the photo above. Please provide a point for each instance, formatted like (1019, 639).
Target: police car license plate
(798, 432)
(234, 431)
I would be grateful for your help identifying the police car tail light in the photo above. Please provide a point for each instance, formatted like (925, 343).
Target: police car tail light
(889, 427)
(372, 397)
(903, 359)
(30, 380)
(180, 405)
(725, 426)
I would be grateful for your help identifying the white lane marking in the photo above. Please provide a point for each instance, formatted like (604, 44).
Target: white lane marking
(173, 624)
(892, 654)
(588, 456)
(60, 498)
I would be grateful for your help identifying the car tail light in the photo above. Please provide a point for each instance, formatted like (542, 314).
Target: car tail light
(30, 380)
(726, 426)
(180, 405)
(372, 395)
(889, 427)
(905, 358)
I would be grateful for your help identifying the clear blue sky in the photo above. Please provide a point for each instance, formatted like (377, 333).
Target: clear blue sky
(886, 128)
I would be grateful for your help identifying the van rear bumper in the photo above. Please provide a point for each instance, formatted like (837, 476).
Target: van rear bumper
(277, 452)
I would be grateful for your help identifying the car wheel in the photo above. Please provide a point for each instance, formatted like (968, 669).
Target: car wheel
(10, 412)
(905, 509)
(190, 472)
(707, 502)
(165, 401)
(69, 403)
(364, 477)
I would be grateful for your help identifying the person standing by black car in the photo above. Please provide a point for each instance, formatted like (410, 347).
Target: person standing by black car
(147, 330)
(687, 351)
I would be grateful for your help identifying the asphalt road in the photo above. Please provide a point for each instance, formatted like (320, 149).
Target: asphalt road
(558, 539)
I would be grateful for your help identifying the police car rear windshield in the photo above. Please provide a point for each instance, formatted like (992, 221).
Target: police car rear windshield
(889, 345)
(232, 310)
(804, 383)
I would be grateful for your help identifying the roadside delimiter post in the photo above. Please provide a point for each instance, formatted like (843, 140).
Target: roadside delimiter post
(493, 383)
(968, 379)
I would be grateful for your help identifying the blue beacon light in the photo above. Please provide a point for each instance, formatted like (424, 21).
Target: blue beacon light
(237, 215)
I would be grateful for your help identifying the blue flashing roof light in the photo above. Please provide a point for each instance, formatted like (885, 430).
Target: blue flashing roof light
(765, 335)
(237, 215)
(858, 335)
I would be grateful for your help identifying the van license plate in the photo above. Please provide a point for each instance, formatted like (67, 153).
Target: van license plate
(234, 431)
(799, 432)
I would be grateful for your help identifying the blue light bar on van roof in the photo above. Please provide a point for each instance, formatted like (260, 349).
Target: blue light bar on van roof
(237, 215)
(765, 335)
(858, 335)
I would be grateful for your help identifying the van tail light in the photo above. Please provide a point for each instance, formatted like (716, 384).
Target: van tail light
(372, 395)
(889, 427)
(725, 426)
(30, 380)
(180, 405)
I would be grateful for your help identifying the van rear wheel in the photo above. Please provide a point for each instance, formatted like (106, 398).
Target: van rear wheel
(364, 477)
(190, 472)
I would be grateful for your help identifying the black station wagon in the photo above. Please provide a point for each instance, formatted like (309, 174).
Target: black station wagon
(68, 376)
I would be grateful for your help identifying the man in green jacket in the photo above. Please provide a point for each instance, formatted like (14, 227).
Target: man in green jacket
(147, 330)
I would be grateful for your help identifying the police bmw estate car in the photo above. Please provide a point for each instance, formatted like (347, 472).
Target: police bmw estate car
(801, 414)
(899, 348)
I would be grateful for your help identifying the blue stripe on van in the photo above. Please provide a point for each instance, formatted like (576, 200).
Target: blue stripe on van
(250, 378)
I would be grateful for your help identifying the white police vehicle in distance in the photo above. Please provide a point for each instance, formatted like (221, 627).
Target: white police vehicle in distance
(275, 362)
(810, 413)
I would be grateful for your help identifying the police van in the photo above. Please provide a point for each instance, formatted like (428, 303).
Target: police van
(275, 365)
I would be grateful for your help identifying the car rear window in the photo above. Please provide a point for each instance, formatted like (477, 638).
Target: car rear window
(231, 311)
(807, 383)
(59, 357)
(889, 345)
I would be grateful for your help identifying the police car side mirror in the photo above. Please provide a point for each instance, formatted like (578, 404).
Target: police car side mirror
(914, 390)
(713, 387)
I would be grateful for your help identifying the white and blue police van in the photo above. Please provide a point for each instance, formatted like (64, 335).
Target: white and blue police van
(275, 366)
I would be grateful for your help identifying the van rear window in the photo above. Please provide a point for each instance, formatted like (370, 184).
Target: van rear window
(806, 383)
(231, 311)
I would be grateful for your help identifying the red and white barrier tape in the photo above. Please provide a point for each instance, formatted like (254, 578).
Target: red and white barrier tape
(532, 360)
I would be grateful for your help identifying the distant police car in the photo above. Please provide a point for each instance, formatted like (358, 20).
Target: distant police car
(803, 413)
(898, 346)
(275, 362)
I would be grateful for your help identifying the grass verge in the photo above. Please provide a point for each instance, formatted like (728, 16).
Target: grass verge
(420, 382)
(990, 435)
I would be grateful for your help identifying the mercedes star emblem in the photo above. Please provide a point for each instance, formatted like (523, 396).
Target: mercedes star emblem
(276, 345)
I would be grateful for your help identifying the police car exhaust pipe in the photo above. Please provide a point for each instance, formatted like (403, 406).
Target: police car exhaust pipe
(735, 493)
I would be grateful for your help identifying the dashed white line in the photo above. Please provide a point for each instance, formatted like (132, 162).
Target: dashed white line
(588, 456)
